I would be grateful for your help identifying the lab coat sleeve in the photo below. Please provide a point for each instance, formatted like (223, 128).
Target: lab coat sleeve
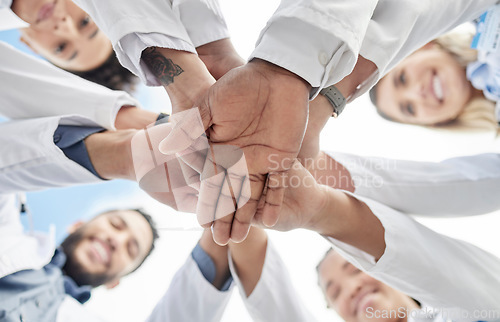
(274, 298)
(71, 310)
(317, 40)
(434, 269)
(190, 297)
(461, 186)
(203, 20)
(32, 88)
(29, 159)
(399, 27)
(133, 26)
(20, 251)
(8, 19)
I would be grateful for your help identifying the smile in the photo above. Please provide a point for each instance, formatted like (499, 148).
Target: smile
(46, 11)
(101, 251)
(437, 88)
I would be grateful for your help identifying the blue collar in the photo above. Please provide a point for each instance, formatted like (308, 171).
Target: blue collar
(79, 293)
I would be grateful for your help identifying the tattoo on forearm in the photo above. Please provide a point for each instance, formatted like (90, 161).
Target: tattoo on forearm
(163, 68)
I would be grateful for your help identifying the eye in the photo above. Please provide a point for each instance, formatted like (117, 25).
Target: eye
(133, 250)
(354, 270)
(84, 22)
(410, 109)
(402, 78)
(116, 223)
(335, 293)
(59, 49)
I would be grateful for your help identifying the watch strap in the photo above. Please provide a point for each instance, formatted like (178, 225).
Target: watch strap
(336, 99)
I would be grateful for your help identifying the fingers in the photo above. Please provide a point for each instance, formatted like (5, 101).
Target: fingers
(222, 189)
(225, 187)
(209, 196)
(244, 215)
(274, 198)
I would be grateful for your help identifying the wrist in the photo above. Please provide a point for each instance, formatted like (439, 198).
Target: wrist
(111, 155)
(326, 221)
(362, 71)
(182, 74)
(270, 70)
(219, 57)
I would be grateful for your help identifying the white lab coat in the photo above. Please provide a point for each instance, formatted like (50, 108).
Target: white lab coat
(8, 19)
(462, 186)
(439, 271)
(274, 298)
(32, 88)
(134, 26)
(190, 297)
(318, 40)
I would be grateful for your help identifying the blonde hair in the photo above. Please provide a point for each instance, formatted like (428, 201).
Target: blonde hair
(479, 113)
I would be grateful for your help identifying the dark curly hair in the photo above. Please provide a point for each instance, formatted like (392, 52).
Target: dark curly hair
(110, 74)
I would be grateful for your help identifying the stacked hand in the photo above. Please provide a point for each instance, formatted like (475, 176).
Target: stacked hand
(259, 109)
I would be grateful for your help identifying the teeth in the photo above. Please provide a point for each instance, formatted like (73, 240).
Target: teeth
(101, 251)
(438, 89)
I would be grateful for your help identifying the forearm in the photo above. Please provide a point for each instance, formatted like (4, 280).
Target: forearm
(182, 74)
(349, 220)
(320, 109)
(248, 258)
(218, 254)
(219, 57)
(131, 117)
(110, 154)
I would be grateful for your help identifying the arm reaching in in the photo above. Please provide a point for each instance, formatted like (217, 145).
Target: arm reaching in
(391, 246)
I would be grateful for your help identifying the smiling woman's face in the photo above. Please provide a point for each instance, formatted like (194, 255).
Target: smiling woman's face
(356, 296)
(66, 36)
(427, 88)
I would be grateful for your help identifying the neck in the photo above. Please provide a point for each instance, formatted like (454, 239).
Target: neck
(476, 93)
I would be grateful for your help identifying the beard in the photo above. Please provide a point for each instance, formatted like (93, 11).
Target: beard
(74, 269)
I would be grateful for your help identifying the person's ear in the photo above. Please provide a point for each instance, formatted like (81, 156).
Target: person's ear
(27, 43)
(77, 224)
(112, 284)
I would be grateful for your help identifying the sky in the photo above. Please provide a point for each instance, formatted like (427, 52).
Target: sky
(359, 130)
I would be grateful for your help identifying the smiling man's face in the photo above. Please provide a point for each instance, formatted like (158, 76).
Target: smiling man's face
(356, 296)
(108, 247)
